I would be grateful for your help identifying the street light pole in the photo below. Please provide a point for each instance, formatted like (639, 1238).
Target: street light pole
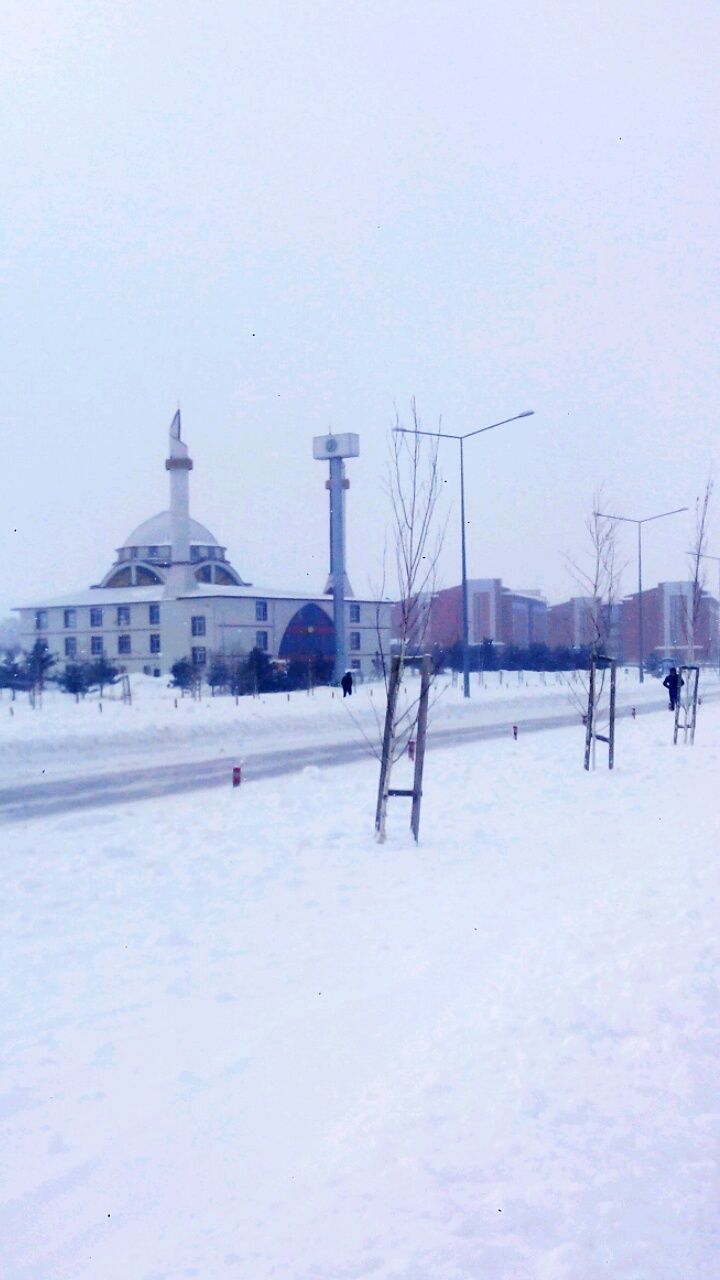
(441, 435)
(645, 520)
(641, 635)
(464, 588)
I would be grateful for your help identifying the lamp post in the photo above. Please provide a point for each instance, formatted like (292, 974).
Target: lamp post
(442, 435)
(640, 523)
(703, 555)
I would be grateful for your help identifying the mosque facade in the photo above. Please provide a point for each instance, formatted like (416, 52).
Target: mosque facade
(172, 593)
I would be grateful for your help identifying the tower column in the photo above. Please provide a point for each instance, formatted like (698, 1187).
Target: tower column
(179, 465)
(333, 449)
(336, 485)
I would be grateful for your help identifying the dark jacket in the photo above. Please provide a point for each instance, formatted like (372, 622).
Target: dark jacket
(672, 683)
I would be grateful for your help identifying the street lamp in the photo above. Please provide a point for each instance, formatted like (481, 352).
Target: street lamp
(442, 435)
(703, 555)
(640, 523)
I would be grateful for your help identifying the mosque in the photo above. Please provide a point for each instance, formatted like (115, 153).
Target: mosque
(172, 593)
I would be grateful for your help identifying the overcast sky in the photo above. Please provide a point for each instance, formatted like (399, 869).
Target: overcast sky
(296, 215)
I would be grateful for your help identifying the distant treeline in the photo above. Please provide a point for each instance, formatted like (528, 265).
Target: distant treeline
(509, 657)
(31, 671)
(249, 673)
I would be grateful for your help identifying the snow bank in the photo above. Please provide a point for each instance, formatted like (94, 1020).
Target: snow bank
(242, 1040)
(64, 737)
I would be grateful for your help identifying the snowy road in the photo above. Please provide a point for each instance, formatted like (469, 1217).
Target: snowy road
(49, 797)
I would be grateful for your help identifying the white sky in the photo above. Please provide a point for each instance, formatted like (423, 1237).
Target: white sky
(295, 215)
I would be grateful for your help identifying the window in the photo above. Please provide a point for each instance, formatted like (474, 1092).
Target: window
(154, 644)
(261, 640)
(197, 625)
(96, 617)
(261, 610)
(355, 664)
(145, 577)
(40, 619)
(70, 646)
(134, 552)
(154, 615)
(199, 656)
(123, 615)
(354, 612)
(96, 646)
(354, 639)
(678, 619)
(194, 553)
(153, 553)
(124, 644)
(70, 618)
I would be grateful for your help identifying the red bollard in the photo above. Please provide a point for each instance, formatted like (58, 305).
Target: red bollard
(237, 775)
(515, 732)
(411, 749)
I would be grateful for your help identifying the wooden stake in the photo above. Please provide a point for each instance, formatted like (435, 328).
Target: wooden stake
(387, 749)
(611, 727)
(420, 746)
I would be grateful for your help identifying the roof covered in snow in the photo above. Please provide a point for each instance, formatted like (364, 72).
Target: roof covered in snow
(157, 532)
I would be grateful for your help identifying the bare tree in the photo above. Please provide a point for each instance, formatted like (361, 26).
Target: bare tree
(413, 488)
(697, 569)
(597, 577)
(417, 531)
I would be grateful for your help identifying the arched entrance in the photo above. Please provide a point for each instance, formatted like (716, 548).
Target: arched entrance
(308, 645)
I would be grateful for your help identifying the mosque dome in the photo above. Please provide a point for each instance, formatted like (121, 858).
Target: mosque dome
(146, 555)
(156, 532)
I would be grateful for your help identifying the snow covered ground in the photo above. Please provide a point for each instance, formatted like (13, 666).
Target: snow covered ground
(242, 1040)
(160, 727)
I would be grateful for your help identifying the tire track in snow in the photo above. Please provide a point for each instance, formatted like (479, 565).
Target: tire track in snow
(23, 802)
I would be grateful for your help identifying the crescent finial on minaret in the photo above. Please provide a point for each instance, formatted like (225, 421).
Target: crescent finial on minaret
(179, 454)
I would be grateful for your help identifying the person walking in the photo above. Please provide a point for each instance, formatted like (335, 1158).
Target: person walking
(346, 684)
(673, 682)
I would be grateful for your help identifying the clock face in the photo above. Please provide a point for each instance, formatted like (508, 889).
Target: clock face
(331, 445)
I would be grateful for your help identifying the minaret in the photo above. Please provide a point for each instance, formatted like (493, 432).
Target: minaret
(179, 464)
(335, 449)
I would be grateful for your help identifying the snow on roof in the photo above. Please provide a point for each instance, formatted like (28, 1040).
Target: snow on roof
(99, 596)
(156, 532)
(251, 591)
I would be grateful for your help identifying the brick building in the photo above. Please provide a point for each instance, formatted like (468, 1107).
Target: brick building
(494, 613)
(573, 624)
(667, 611)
